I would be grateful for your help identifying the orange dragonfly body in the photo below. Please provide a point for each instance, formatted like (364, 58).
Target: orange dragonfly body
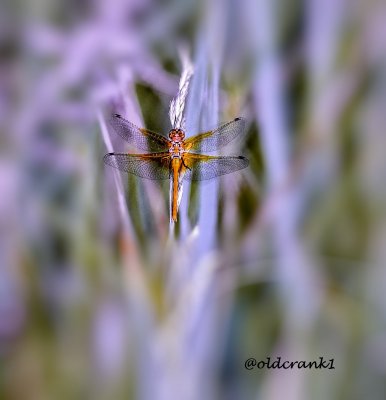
(171, 158)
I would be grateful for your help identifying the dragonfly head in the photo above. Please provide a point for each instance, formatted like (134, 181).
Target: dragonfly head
(176, 135)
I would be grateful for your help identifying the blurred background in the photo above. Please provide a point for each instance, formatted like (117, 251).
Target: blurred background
(99, 298)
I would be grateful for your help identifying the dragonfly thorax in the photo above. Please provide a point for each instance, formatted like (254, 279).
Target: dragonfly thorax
(176, 149)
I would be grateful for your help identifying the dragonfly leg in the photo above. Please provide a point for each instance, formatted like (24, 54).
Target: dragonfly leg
(183, 163)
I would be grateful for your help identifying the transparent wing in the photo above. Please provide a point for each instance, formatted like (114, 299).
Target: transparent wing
(150, 166)
(217, 138)
(141, 138)
(200, 167)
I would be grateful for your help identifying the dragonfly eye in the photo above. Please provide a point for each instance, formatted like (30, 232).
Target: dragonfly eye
(176, 135)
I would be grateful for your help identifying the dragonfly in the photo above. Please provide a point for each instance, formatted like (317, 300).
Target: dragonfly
(175, 157)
